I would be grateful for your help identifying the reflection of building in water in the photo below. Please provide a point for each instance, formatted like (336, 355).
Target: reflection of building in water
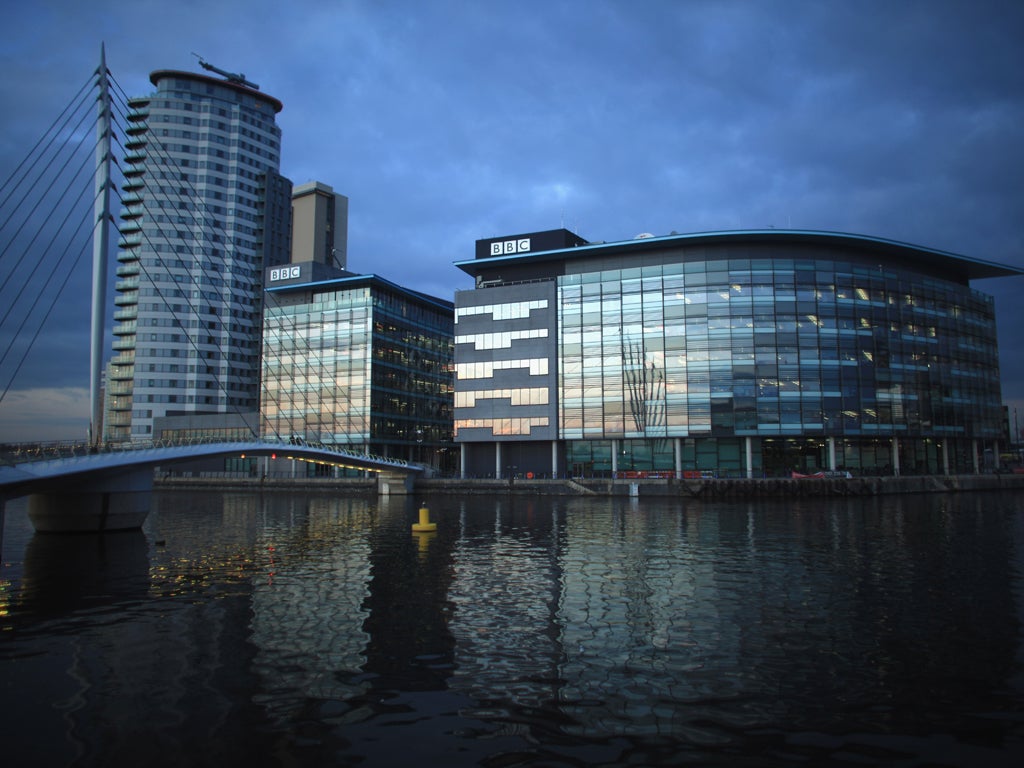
(307, 606)
(410, 645)
(507, 578)
(137, 636)
(642, 624)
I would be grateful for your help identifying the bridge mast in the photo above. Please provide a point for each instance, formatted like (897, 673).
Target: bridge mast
(100, 242)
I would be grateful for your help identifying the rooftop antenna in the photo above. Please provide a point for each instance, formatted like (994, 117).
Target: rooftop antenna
(230, 76)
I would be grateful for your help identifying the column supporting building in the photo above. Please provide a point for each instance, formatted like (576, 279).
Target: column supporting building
(748, 447)
(678, 449)
(832, 454)
(896, 457)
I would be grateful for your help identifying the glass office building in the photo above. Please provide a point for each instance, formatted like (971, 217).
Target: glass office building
(359, 363)
(754, 353)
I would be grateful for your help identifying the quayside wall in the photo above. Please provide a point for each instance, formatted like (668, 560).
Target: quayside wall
(736, 487)
(706, 489)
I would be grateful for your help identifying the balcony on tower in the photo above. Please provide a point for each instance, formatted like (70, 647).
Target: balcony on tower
(129, 298)
(135, 157)
(132, 239)
(138, 109)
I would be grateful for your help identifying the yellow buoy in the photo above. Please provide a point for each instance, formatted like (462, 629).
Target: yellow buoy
(424, 524)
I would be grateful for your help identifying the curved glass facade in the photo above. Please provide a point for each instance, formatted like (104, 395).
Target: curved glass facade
(770, 357)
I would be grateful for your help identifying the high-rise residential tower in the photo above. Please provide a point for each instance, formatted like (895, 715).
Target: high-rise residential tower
(204, 211)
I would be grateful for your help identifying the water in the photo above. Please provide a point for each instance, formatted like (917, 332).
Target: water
(302, 630)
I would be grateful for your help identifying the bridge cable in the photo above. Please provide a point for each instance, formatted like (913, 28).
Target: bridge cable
(55, 270)
(39, 262)
(39, 328)
(85, 89)
(44, 186)
(39, 202)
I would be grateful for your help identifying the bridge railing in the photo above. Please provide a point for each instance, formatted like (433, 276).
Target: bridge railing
(21, 453)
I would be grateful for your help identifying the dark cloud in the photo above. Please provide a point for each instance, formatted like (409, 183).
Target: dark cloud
(449, 121)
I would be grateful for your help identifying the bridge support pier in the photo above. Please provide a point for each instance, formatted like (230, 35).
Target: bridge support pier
(93, 512)
(395, 483)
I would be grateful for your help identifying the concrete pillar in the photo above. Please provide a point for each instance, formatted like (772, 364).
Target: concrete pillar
(462, 461)
(88, 512)
(679, 457)
(896, 457)
(832, 454)
(497, 460)
(748, 447)
(615, 457)
(974, 456)
(554, 458)
(945, 457)
(395, 483)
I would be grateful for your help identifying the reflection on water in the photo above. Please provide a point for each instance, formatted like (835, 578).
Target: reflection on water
(315, 630)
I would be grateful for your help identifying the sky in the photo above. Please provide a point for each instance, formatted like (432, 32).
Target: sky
(448, 121)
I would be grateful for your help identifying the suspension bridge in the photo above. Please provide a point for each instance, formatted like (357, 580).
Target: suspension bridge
(47, 229)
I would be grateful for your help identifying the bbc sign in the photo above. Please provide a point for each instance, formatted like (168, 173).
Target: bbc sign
(285, 273)
(505, 247)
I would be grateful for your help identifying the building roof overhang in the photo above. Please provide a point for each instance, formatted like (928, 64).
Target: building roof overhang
(160, 74)
(928, 259)
(362, 281)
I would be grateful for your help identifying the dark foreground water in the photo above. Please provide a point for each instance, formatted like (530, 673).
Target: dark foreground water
(295, 630)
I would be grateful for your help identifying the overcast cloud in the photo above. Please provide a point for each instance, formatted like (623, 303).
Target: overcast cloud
(449, 121)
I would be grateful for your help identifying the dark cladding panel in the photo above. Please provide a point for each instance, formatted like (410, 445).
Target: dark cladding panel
(532, 242)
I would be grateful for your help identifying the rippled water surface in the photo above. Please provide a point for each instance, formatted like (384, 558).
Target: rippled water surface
(302, 630)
